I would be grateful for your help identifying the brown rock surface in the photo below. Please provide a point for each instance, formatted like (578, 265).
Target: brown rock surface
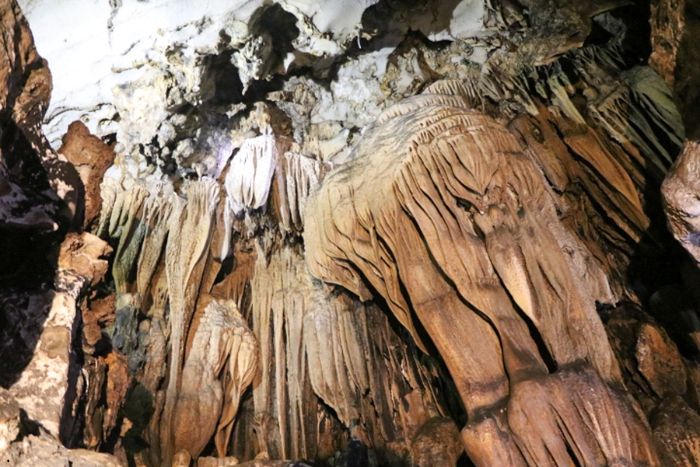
(677, 427)
(9, 419)
(487, 268)
(44, 388)
(34, 178)
(681, 190)
(437, 442)
(91, 158)
(84, 255)
(675, 28)
(660, 362)
(674, 35)
(475, 253)
(218, 369)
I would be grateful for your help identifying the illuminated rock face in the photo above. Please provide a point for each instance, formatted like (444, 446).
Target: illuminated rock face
(446, 215)
(261, 40)
(365, 233)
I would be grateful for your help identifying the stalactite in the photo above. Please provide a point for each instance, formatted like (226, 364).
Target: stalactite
(436, 179)
(296, 177)
(249, 178)
(242, 363)
(311, 262)
(188, 239)
(217, 370)
(280, 388)
(321, 346)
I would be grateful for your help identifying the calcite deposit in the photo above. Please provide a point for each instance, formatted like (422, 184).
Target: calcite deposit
(349, 233)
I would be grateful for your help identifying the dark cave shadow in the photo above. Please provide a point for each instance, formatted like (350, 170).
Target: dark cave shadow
(28, 259)
(662, 275)
(29, 255)
(383, 18)
(20, 329)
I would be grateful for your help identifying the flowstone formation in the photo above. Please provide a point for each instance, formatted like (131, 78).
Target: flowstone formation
(349, 233)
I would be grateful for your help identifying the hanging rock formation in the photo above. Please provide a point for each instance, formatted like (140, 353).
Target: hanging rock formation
(222, 345)
(316, 233)
(488, 277)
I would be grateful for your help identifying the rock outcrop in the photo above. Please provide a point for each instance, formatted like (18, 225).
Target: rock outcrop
(682, 203)
(46, 274)
(91, 157)
(674, 28)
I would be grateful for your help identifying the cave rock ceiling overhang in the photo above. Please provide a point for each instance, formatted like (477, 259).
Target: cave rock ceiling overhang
(90, 60)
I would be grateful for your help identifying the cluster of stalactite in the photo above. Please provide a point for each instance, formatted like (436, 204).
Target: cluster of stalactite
(233, 348)
(490, 217)
(459, 285)
(499, 235)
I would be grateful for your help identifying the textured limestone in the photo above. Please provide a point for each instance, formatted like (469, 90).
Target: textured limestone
(682, 203)
(289, 418)
(28, 205)
(45, 452)
(674, 31)
(9, 419)
(475, 184)
(189, 237)
(40, 192)
(91, 158)
(124, 40)
(35, 178)
(45, 387)
(453, 188)
(217, 371)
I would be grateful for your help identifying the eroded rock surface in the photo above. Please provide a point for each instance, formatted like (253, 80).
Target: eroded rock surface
(487, 259)
(43, 452)
(91, 158)
(385, 233)
(681, 189)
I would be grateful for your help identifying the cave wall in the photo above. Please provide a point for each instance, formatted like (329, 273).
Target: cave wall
(384, 233)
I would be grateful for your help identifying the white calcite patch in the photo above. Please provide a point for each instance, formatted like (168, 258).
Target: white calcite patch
(250, 173)
(95, 51)
(91, 48)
